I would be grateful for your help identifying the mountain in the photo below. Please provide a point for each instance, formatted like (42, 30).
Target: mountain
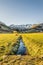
(28, 27)
(20, 28)
(36, 28)
(4, 28)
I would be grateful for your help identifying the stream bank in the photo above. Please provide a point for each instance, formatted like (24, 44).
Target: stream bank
(18, 48)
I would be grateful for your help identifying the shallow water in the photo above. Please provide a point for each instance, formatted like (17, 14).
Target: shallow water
(21, 49)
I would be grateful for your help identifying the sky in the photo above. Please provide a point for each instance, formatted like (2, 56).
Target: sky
(21, 11)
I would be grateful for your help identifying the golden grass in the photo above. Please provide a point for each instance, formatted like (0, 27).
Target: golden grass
(21, 60)
(34, 43)
(7, 41)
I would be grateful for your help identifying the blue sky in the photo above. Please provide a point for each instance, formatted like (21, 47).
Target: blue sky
(21, 11)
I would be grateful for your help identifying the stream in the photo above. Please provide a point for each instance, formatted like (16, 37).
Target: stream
(21, 49)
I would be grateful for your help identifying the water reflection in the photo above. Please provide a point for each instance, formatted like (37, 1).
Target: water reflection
(21, 49)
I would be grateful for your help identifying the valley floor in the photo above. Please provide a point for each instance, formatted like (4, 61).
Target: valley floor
(33, 43)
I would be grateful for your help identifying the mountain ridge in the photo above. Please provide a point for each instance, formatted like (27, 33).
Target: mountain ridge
(21, 28)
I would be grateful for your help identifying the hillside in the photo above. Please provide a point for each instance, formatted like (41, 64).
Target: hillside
(37, 28)
(4, 28)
